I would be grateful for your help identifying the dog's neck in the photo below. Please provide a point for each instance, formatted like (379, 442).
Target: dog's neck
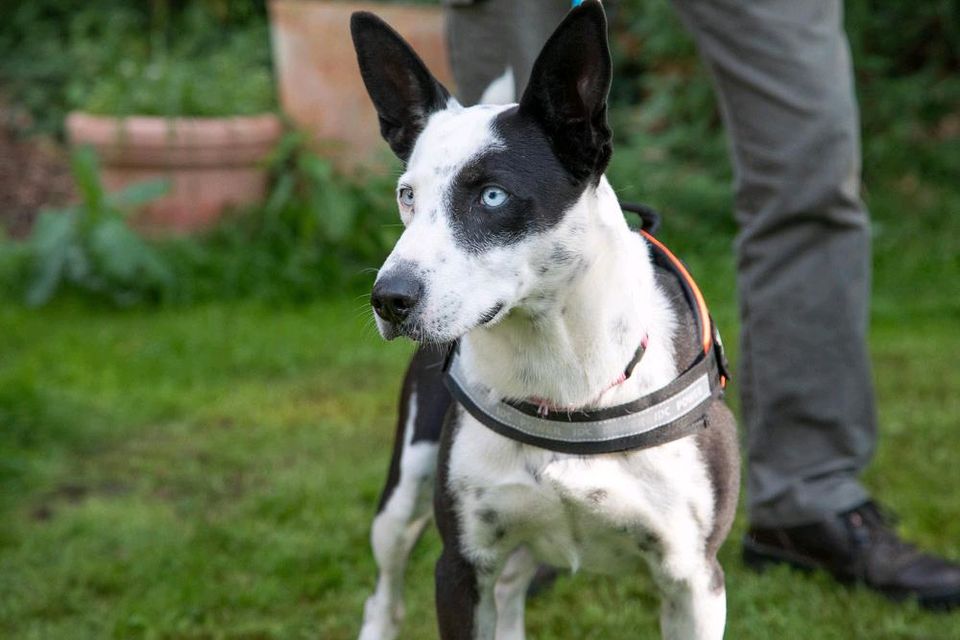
(568, 341)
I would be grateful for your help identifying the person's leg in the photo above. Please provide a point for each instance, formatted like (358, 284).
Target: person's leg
(783, 75)
(487, 37)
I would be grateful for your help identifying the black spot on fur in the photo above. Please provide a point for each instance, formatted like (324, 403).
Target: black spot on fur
(543, 297)
(533, 471)
(647, 542)
(701, 526)
(560, 255)
(596, 496)
(619, 329)
(499, 533)
(487, 516)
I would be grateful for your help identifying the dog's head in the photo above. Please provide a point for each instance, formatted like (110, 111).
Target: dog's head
(492, 197)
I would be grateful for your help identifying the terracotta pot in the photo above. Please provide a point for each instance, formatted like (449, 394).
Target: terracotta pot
(320, 85)
(211, 163)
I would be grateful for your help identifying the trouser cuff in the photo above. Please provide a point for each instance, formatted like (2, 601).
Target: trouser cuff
(808, 505)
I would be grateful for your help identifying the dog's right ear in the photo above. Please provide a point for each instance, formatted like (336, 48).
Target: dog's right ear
(403, 91)
(567, 91)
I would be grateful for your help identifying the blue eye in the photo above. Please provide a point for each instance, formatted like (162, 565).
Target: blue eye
(405, 196)
(493, 197)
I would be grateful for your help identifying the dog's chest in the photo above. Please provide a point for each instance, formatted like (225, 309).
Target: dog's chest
(603, 513)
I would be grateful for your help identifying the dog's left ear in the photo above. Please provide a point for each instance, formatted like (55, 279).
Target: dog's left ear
(402, 89)
(567, 92)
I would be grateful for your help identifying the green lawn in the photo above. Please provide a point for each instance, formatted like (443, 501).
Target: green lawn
(211, 471)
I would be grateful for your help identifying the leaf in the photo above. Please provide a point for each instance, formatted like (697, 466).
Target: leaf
(54, 233)
(280, 195)
(336, 212)
(139, 193)
(117, 250)
(124, 258)
(86, 175)
(315, 168)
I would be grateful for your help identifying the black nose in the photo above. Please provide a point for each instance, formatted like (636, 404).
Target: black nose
(395, 295)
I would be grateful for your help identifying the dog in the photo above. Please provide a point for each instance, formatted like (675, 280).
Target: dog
(530, 439)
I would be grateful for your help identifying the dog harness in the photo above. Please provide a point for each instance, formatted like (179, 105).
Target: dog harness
(674, 411)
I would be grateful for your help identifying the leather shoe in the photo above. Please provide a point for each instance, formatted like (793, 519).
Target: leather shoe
(859, 546)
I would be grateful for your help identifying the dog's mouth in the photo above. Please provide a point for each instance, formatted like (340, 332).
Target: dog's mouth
(413, 329)
(490, 315)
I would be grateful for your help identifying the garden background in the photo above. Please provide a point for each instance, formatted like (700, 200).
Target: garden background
(194, 431)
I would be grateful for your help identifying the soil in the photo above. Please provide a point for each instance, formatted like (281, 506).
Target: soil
(34, 173)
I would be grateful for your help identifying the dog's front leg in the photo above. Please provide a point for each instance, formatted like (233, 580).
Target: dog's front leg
(511, 594)
(466, 608)
(406, 505)
(694, 604)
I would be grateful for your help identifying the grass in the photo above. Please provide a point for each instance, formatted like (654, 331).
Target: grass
(211, 471)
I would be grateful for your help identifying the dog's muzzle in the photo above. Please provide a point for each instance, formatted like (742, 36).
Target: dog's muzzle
(395, 295)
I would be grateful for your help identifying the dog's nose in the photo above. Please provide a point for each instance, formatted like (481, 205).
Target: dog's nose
(394, 295)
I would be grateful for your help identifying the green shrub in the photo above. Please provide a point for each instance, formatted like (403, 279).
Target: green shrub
(90, 247)
(176, 83)
(317, 232)
(209, 57)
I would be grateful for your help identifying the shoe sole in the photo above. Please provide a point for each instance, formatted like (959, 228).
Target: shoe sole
(760, 557)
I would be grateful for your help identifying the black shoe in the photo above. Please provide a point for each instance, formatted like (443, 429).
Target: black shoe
(859, 546)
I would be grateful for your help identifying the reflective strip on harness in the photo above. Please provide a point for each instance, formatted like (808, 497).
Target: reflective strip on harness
(668, 414)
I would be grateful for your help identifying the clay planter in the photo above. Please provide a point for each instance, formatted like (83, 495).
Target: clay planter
(319, 80)
(212, 163)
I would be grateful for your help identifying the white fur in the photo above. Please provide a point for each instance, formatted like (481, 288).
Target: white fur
(501, 90)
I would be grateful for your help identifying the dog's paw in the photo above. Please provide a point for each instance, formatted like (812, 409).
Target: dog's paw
(380, 621)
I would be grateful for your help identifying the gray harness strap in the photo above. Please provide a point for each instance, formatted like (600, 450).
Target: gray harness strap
(670, 413)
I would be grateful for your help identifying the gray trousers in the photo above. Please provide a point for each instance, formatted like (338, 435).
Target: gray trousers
(784, 80)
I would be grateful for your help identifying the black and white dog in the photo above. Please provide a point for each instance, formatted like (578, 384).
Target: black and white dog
(576, 435)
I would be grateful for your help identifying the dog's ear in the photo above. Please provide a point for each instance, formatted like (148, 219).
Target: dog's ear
(402, 89)
(567, 92)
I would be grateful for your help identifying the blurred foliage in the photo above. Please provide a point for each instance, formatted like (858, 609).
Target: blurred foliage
(200, 57)
(177, 81)
(89, 246)
(317, 232)
(906, 57)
